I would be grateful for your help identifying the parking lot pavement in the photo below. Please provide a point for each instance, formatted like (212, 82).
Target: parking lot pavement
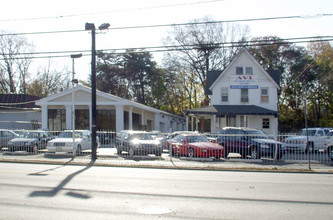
(109, 157)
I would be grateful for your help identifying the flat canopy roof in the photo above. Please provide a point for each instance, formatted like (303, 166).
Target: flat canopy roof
(231, 110)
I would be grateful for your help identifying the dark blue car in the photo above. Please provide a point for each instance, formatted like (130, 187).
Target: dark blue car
(249, 142)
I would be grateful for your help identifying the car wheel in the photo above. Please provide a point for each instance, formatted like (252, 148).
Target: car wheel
(78, 150)
(119, 151)
(34, 149)
(243, 153)
(311, 147)
(131, 152)
(254, 153)
(172, 151)
(226, 153)
(329, 153)
(191, 153)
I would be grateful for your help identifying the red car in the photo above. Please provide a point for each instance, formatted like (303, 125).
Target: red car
(194, 145)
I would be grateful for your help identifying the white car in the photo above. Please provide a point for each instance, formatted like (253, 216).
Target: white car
(64, 142)
(316, 138)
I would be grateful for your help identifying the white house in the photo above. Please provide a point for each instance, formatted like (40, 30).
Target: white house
(113, 113)
(242, 95)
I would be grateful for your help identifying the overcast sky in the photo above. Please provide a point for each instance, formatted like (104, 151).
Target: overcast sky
(29, 16)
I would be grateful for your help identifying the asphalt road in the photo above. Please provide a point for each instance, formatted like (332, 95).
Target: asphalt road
(35, 191)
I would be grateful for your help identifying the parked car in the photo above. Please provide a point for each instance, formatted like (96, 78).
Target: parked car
(137, 143)
(63, 143)
(195, 145)
(30, 141)
(166, 140)
(5, 136)
(328, 145)
(249, 142)
(316, 137)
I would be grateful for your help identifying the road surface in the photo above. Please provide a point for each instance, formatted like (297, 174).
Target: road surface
(38, 191)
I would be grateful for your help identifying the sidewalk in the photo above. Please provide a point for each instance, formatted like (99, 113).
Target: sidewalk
(108, 157)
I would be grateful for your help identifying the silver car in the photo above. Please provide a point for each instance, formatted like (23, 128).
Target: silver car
(5, 136)
(65, 143)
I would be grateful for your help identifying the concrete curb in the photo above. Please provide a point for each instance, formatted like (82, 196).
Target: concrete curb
(191, 165)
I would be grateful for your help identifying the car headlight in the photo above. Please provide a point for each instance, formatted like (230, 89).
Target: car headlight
(135, 142)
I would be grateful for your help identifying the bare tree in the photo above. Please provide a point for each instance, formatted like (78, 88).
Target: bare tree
(15, 59)
(205, 45)
(49, 81)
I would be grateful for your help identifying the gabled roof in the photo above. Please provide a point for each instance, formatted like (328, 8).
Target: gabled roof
(211, 77)
(274, 79)
(110, 99)
(79, 88)
(18, 101)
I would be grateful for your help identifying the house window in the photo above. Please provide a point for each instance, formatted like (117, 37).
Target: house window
(231, 120)
(244, 95)
(265, 123)
(264, 95)
(239, 70)
(106, 120)
(224, 93)
(149, 125)
(57, 119)
(248, 71)
(82, 119)
(243, 121)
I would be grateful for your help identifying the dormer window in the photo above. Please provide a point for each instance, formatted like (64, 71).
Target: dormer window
(248, 71)
(239, 70)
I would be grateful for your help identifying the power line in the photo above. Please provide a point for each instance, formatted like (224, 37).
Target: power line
(112, 11)
(179, 24)
(167, 48)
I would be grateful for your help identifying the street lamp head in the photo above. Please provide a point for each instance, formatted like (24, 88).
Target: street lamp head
(104, 26)
(90, 26)
(76, 55)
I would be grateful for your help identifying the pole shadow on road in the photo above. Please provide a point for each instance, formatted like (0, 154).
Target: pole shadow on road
(54, 191)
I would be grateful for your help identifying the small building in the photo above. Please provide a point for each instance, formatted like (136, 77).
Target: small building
(19, 111)
(113, 113)
(242, 95)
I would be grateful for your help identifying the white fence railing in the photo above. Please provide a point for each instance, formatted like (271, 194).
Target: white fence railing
(187, 146)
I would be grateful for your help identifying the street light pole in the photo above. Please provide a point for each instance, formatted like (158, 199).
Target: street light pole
(73, 56)
(91, 27)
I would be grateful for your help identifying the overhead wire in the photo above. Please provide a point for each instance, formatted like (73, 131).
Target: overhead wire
(112, 11)
(165, 48)
(176, 24)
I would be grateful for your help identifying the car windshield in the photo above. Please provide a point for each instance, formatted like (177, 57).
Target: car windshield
(142, 136)
(255, 134)
(30, 134)
(69, 134)
(196, 138)
(310, 132)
